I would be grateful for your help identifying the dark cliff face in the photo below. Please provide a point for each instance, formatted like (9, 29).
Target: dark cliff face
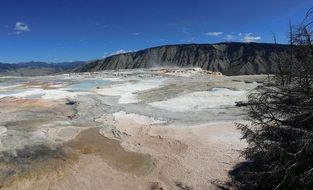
(228, 58)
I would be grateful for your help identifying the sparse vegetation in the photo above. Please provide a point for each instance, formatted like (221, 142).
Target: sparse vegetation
(280, 132)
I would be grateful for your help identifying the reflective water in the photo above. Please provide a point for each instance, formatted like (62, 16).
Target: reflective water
(88, 85)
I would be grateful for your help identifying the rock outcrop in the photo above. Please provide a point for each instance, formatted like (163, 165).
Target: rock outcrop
(227, 58)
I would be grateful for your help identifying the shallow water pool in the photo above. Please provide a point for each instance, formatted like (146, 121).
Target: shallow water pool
(87, 85)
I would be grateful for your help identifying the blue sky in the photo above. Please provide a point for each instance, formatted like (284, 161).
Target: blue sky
(65, 30)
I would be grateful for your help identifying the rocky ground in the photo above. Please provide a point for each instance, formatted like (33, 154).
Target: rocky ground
(128, 129)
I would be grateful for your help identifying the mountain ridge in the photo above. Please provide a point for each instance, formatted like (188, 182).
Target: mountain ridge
(35, 68)
(230, 58)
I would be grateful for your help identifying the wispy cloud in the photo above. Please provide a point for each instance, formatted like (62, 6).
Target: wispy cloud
(98, 24)
(189, 40)
(185, 31)
(213, 33)
(250, 37)
(121, 51)
(21, 27)
(243, 37)
(136, 33)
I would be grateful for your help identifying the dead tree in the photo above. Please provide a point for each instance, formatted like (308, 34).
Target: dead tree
(280, 131)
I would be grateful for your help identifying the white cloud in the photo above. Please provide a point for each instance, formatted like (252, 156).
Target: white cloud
(213, 33)
(244, 37)
(136, 33)
(21, 27)
(249, 37)
(121, 51)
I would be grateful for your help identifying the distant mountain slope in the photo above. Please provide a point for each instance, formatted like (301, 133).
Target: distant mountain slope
(37, 68)
(228, 58)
